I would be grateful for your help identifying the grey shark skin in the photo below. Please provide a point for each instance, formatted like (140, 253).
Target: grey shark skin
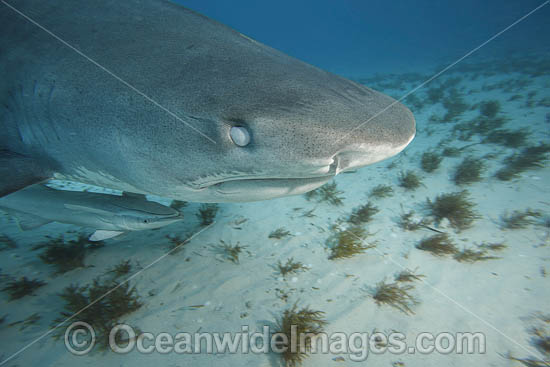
(110, 215)
(64, 116)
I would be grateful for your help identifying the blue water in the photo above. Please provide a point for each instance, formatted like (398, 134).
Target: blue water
(364, 37)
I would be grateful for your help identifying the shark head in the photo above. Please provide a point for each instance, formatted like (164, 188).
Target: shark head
(277, 126)
(123, 220)
(290, 148)
(130, 213)
(143, 222)
(197, 111)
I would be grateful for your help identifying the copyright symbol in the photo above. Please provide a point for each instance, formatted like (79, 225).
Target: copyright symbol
(79, 338)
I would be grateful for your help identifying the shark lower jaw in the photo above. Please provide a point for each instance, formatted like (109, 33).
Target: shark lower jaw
(242, 190)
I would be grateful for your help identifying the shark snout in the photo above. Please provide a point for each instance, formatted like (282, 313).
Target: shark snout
(372, 127)
(362, 152)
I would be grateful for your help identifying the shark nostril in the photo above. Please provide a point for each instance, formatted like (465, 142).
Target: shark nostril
(340, 162)
(333, 167)
(348, 160)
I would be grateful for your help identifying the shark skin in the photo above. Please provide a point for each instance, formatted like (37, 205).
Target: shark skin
(150, 97)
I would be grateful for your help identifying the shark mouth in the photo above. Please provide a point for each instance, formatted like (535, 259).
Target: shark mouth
(233, 181)
(315, 174)
(236, 186)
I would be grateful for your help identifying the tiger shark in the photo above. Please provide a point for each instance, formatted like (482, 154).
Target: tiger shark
(109, 215)
(147, 96)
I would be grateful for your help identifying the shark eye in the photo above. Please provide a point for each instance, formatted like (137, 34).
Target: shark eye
(239, 135)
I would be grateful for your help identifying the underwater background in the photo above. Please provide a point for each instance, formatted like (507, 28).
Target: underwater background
(450, 236)
(354, 38)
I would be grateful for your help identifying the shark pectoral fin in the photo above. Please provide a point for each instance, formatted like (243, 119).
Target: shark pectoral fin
(28, 221)
(18, 171)
(102, 234)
